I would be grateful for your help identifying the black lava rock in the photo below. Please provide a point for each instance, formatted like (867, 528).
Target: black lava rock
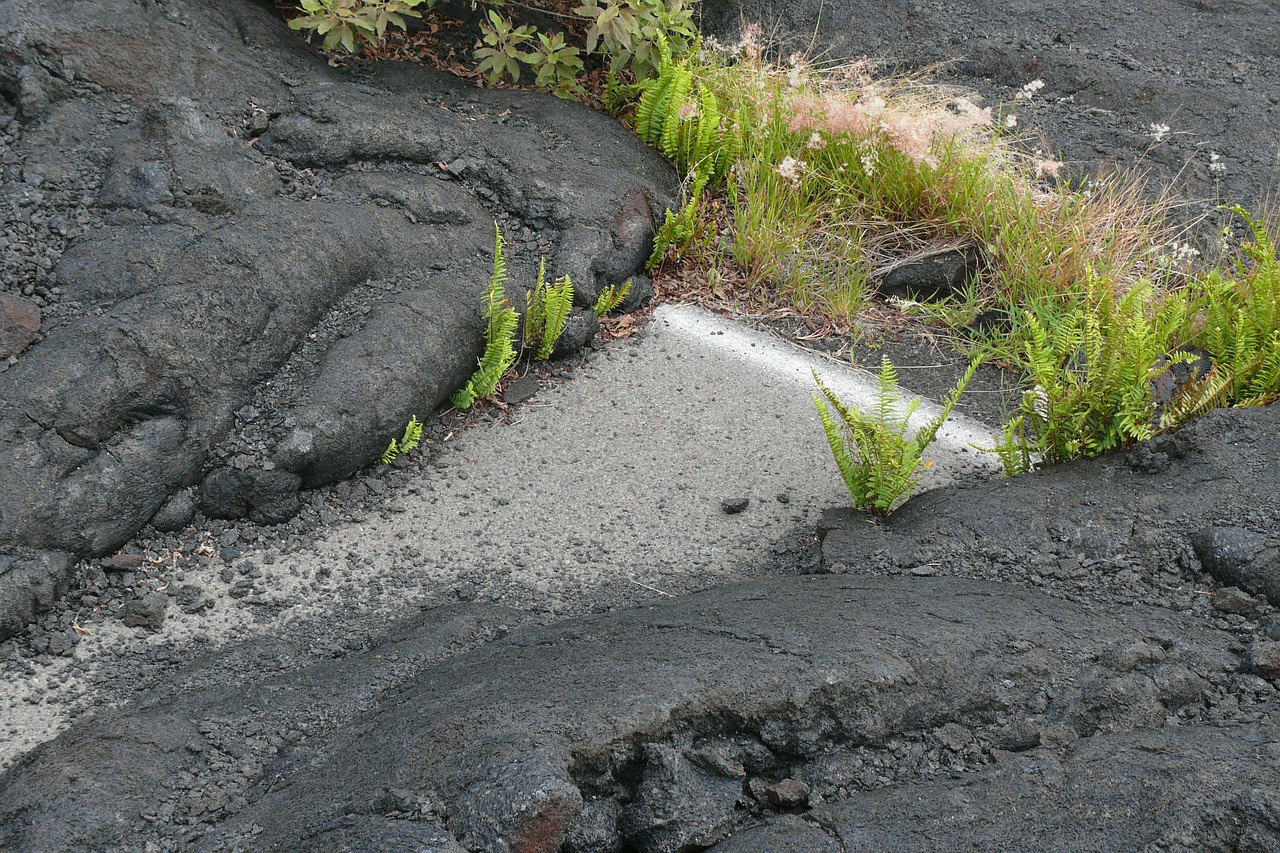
(146, 612)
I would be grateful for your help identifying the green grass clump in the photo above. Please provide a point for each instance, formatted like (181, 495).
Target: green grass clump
(838, 176)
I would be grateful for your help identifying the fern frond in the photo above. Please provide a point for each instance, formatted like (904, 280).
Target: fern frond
(1013, 451)
(500, 332)
(495, 294)
(1261, 250)
(412, 434)
(408, 441)
(835, 440)
(660, 99)
(649, 102)
(558, 304)
(535, 315)
(706, 136)
(499, 355)
(677, 97)
(1212, 391)
(610, 298)
(926, 436)
(678, 229)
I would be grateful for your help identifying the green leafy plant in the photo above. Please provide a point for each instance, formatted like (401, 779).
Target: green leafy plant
(630, 32)
(610, 298)
(344, 23)
(626, 32)
(879, 464)
(556, 66)
(686, 124)
(1093, 370)
(499, 352)
(1240, 331)
(547, 310)
(412, 436)
(500, 51)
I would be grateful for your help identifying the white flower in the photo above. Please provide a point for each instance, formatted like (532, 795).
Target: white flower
(1029, 91)
(1159, 131)
(1216, 166)
(1175, 255)
(816, 142)
(1011, 121)
(869, 159)
(790, 168)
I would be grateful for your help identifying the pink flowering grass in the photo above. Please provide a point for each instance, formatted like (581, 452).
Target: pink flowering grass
(842, 173)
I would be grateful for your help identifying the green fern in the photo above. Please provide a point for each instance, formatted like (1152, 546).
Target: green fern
(535, 313)
(685, 124)
(408, 441)
(1200, 396)
(1241, 329)
(670, 140)
(499, 352)
(610, 298)
(678, 229)
(879, 464)
(547, 310)
(1014, 450)
(654, 102)
(1093, 371)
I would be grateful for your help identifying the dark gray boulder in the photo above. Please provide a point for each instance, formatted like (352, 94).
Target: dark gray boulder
(224, 221)
(935, 276)
(1145, 790)
(1239, 557)
(30, 581)
(176, 513)
(678, 805)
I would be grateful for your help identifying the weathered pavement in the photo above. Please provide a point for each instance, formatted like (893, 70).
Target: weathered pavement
(603, 489)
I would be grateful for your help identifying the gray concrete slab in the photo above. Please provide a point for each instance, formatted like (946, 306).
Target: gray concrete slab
(603, 491)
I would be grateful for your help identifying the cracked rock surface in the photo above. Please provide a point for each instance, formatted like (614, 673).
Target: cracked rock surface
(811, 679)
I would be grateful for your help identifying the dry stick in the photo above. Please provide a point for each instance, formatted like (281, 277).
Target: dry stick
(654, 588)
